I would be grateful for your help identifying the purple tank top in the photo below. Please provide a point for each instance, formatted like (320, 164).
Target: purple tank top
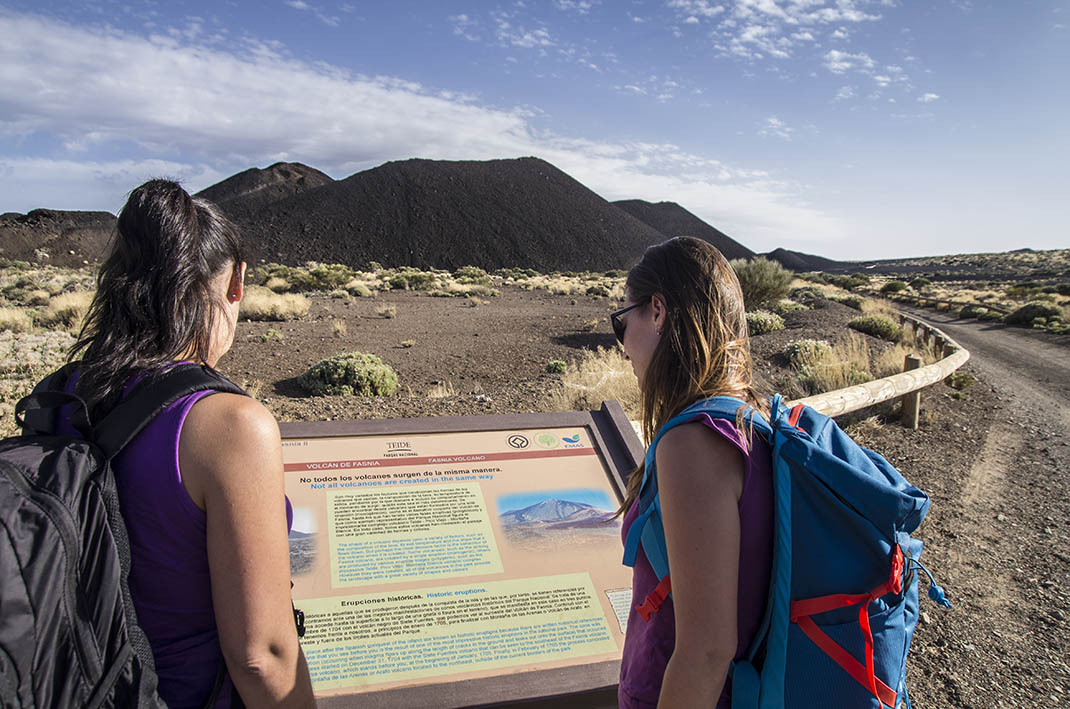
(169, 580)
(649, 645)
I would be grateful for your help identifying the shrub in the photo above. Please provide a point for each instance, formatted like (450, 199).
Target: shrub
(760, 322)
(1063, 288)
(352, 374)
(825, 369)
(37, 297)
(339, 293)
(801, 353)
(66, 310)
(806, 293)
(556, 366)
(408, 343)
(320, 276)
(972, 311)
(786, 305)
(762, 281)
(260, 303)
(472, 274)
(271, 334)
(1031, 311)
(919, 283)
(851, 301)
(359, 289)
(338, 328)
(277, 284)
(894, 287)
(387, 311)
(990, 316)
(877, 326)
(961, 380)
(590, 325)
(598, 291)
(411, 279)
(15, 320)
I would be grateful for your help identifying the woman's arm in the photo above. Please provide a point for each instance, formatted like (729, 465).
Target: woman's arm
(230, 454)
(700, 481)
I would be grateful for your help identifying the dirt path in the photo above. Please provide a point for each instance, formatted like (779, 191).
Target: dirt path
(998, 530)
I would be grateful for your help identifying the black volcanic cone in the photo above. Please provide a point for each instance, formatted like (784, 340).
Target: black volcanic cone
(446, 214)
(242, 194)
(673, 220)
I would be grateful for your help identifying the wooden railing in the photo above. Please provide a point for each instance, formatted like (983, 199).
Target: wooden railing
(842, 401)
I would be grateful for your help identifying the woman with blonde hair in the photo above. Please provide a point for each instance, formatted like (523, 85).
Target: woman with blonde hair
(684, 328)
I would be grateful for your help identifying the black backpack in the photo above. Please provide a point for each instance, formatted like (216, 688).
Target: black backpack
(68, 631)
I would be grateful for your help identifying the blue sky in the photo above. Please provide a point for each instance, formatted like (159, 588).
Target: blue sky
(846, 128)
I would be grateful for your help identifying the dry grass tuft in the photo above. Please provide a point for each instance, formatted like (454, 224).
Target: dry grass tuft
(441, 390)
(260, 303)
(601, 375)
(338, 328)
(66, 310)
(15, 320)
(387, 311)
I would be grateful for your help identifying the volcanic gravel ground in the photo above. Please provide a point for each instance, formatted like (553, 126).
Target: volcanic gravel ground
(994, 465)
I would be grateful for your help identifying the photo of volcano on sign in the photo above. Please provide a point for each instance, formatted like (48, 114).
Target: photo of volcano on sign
(564, 517)
(302, 541)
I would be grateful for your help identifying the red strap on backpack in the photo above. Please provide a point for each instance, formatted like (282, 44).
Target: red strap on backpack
(802, 610)
(650, 606)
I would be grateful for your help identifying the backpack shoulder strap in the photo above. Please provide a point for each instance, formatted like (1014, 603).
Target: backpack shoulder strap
(36, 412)
(152, 396)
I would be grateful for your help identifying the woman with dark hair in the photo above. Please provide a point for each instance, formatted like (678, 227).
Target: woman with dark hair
(684, 329)
(201, 487)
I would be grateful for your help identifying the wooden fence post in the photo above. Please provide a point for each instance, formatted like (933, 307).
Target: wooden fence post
(912, 400)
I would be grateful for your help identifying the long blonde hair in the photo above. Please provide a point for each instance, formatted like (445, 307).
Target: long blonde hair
(704, 349)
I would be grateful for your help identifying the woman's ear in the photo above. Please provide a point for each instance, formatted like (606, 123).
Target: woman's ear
(236, 287)
(660, 311)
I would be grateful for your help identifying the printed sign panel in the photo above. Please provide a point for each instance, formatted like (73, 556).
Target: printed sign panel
(429, 558)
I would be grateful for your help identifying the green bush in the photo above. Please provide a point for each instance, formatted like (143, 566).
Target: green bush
(320, 276)
(851, 301)
(919, 283)
(805, 294)
(990, 316)
(961, 380)
(556, 366)
(877, 326)
(763, 281)
(597, 291)
(350, 374)
(972, 311)
(848, 282)
(410, 279)
(786, 305)
(894, 287)
(1029, 312)
(802, 352)
(760, 322)
(472, 274)
(1063, 288)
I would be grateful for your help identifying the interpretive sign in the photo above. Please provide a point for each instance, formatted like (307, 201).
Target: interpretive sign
(460, 561)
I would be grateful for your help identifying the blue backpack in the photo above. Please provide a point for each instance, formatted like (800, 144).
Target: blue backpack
(843, 594)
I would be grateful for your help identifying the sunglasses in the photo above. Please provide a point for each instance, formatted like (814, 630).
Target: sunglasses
(618, 324)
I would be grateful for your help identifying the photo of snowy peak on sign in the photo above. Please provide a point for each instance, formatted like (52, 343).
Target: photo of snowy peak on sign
(577, 516)
(303, 541)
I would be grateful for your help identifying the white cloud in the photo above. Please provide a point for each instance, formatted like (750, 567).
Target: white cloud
(116, 93)
(691, 20)
(928, 98)
(773, 126)
(465, 26)
(841, 62)
(580, 6)
(509, 35)
(840, 33)
(844, 93)
(697, 8)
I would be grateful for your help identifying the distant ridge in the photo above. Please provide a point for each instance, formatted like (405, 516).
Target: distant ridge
(241, 194)
(673, 220)
(800, 262)
(431, 213)
(60, 238)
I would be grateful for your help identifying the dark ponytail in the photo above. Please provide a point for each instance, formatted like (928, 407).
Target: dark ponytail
(154, 301)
